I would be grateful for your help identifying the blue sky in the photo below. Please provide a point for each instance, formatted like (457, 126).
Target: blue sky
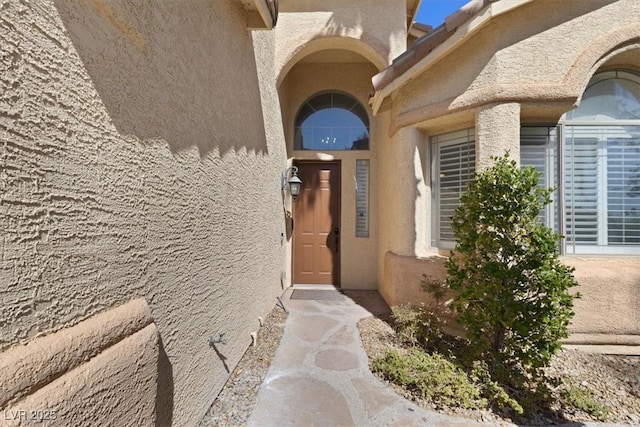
(433, 12)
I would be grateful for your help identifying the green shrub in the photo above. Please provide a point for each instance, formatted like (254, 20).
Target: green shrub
(492, 389)
(415, 326)
(582, 399)
(512, 291)
(431, 377)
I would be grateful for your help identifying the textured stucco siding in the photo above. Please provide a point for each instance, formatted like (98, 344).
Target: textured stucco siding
(140, 154)
(610, 289)
(102, 371)
(111, 389)
(497, 132)
(525, 66)
(375, 29)
(544, 49)
(608, 311)
(404, 185)
(527, 53)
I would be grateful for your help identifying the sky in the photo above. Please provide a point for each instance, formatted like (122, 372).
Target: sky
(433, 12)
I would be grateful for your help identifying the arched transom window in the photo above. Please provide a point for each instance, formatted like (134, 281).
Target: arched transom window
(331, 121)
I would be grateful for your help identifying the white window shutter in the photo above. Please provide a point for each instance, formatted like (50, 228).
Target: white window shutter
(455, 167)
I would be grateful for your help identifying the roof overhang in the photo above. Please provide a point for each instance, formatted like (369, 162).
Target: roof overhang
(436, 45)
(418, 30)
(412, 11)
(262, 14)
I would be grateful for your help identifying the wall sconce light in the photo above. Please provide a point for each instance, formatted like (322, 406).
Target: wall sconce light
(295, 184)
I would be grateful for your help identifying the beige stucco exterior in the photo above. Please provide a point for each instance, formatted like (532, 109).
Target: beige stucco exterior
(125, 131)
(525, 57)
(338, 45)
(519, 67)
(606, 312)
(142, 147)
(375, 29)
(78, 375)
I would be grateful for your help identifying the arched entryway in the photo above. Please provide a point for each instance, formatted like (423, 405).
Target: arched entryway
(331, 138)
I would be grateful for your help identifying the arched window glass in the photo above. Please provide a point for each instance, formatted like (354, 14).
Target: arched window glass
(331, 121)
(612, 95)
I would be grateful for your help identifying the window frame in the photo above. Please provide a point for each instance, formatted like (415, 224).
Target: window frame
(435, 143)
(356, 108)
(601, 246)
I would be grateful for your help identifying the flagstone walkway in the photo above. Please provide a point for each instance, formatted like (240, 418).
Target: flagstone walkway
(320, 374)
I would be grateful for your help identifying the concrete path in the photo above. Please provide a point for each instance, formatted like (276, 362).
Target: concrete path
(320, 374)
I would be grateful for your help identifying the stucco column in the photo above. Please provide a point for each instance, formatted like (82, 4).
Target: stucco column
(403, 201)
(497, 131)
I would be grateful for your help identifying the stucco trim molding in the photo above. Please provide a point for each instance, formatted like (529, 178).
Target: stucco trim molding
(565, 94)
(597, 53)
(494, 94)
(364, 45)
(602, 339)
(24, 368)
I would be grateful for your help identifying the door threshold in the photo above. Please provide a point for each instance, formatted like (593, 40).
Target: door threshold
(315, 287)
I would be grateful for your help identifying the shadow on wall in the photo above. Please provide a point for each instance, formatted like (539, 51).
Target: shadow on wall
(422, 235)
(527, 11)
(342, 25)
(164, 392)
(185, 75)
(343, 30)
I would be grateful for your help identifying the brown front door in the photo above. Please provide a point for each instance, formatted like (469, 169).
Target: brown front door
(316, 225)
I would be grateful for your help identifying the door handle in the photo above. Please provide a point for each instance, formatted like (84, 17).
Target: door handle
(336, 233)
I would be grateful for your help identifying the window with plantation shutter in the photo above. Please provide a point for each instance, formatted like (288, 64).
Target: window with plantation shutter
(583, 198)
(539, 148)
(602, 175)
(623, 188)
(599, 175)
(453, 166)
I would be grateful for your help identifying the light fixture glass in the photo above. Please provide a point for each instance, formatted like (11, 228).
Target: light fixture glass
(295, 183)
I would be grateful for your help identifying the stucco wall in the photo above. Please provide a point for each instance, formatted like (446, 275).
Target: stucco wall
(102, 371)
(526, 54)
(610, 288)
(404, 185)
(497, 131)
(403, 274)
(607, 312)
(140, 157)
(375, 29)
(357, 254)
(526, 66)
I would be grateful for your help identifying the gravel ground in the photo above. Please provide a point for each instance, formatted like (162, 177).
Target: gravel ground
(236, 401)
(614, 380)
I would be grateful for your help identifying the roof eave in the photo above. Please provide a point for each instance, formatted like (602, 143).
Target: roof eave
(265, 15)
(458, 35)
